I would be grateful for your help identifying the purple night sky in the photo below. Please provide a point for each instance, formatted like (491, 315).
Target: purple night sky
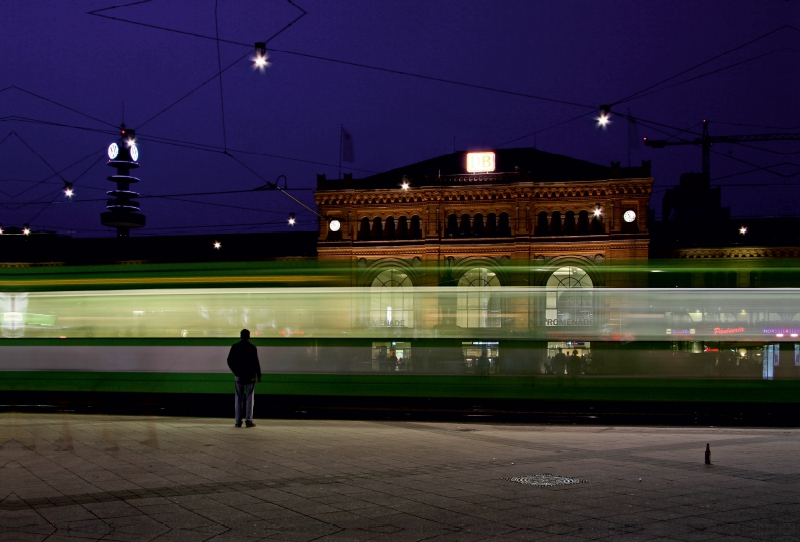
(584, 52)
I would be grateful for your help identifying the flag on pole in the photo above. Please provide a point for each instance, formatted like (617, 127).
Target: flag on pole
(633, 132)
(348, 154)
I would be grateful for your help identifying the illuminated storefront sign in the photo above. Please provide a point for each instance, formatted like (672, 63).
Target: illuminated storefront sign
(728, 330)
(480, 162)
(569, 322)
(781, 332)
(690, 331)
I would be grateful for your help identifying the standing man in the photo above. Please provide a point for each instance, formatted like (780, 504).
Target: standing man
(243, 362)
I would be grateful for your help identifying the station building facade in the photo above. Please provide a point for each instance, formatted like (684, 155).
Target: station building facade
(441, 219)
(479, 221)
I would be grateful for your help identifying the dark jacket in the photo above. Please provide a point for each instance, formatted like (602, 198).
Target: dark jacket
(243, 360)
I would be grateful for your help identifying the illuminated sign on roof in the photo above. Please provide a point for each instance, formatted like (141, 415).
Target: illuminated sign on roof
(480, 162)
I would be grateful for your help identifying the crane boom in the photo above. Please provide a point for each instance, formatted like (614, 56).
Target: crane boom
(705, 141)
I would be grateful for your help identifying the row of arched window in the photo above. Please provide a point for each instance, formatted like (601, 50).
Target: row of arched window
(569, 223)
(569, 300)
(378, 230)
(479, 225)
(492, 225)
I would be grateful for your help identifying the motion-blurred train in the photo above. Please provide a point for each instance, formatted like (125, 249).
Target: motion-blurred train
(168, 330)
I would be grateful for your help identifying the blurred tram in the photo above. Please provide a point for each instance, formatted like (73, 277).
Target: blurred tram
(529, 343)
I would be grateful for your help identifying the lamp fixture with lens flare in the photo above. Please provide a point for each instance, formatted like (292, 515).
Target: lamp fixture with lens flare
(291, 219)
(604, 119)
(260, 58)
(68, 191)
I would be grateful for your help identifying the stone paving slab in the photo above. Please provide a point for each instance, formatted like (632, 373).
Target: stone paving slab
(68, 477)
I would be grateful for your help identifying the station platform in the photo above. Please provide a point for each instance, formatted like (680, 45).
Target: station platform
(69, 477)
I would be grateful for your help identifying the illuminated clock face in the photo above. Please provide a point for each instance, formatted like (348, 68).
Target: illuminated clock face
(134, 153)
(113, 151)
(335, 225)
(629, 216)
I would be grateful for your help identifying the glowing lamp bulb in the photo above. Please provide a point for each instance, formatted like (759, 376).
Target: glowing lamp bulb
(404, 186)
(68, 192)
(603, 120)
(26, 231)
(260, 59)
(598, 212)
(130, 141)
(217, 245)
(1, 231)
(291, 219)
(334, 225)
(743, 230)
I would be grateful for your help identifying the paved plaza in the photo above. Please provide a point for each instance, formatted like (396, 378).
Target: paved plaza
(69, 477)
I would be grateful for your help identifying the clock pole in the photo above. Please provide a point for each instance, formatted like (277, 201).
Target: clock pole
(122, 211)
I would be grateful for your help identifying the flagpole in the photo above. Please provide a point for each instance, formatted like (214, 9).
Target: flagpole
(341, 148)
(629, 136)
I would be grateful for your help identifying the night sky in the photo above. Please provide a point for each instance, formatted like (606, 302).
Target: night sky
(286, 121)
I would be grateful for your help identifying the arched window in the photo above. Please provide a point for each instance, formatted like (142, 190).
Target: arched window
(555, 223)
(504, 228)
(569, 223)
(491, 225)
(363, 232)
(377, 229)
(476, 306)
(477, 225)
(569, 298)
(402, 228)
(465, 226)
(392, 300)
(541, 224)
(416, 228)
(389, 229)
(583, 222)
(452, 226)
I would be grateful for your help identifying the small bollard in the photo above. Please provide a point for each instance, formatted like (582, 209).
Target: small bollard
(708, 454)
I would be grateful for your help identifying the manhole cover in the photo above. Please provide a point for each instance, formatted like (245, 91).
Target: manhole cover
(545, 480)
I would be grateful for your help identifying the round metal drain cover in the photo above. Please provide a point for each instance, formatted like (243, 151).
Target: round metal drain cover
(545, 480)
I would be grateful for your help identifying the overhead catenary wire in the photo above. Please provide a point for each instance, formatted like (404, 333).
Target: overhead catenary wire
(178, 142)
(653, 88)
(273, 186)
(703, 63)
(30, 220)
(219, 67)
(712, 72)
(333, 60)
(15, 87)
(221, 71)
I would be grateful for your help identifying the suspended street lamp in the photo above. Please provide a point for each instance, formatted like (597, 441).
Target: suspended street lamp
(260, 60)
(605, 116)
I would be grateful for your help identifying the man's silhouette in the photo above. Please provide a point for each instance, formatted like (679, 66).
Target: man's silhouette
(243, 362)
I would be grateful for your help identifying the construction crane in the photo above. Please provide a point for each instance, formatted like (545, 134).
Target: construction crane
(705, 141)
